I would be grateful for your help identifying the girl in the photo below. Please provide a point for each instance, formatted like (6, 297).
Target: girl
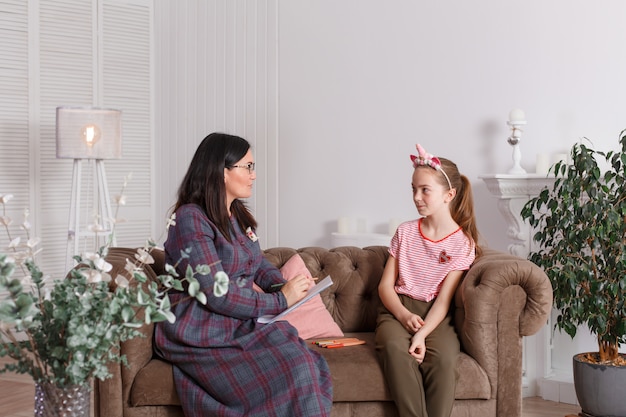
(415, 338)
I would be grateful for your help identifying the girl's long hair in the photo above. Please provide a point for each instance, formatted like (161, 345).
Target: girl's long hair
(462, 206)
(204, 184)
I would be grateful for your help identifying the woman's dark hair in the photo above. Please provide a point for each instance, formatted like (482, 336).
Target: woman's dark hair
(204, 184)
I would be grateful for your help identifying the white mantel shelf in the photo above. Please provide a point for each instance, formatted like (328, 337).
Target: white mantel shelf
(516, 186)
(513, 192)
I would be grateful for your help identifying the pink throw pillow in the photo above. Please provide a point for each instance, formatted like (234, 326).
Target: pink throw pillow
(311, 319)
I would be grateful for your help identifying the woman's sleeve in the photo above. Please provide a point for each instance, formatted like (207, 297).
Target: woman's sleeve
(194, 236)
(267, 275)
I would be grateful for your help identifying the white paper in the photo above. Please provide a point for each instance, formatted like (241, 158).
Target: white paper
(319, 287)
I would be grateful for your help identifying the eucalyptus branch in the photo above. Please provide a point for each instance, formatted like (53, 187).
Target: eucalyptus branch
(73, 331)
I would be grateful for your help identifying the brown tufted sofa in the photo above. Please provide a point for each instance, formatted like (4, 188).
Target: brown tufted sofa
(501, 299)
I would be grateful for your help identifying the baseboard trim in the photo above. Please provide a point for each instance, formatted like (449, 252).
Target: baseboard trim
(558, 389)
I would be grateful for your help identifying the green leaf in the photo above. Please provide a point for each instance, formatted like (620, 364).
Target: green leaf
(189, 273)
(194, 287)
(203, 269)
(220, 285)
(165, 303)
(177, 285)
(201, 297)
(170, 270)
(169, 316)
(127, 314)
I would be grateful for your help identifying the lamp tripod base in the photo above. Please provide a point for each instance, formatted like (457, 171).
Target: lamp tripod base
(98, 204)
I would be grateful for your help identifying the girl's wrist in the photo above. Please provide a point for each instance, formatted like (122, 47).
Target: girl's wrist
(419, 333)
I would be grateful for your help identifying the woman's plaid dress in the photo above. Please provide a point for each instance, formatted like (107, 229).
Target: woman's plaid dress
(225, 363)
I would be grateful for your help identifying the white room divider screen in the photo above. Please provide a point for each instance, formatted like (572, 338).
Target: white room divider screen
(73, 53)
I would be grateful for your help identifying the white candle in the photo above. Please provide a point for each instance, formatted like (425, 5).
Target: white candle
(517, 115)
(343, 225)
(542, 165)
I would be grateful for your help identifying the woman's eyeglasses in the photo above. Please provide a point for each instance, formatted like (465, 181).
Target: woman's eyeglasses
(249, 166)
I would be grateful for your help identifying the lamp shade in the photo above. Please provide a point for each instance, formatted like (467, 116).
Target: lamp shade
(88, 133)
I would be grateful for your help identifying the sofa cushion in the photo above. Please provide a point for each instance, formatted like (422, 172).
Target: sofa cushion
(357, 375)
(472, 382)
(355, 371)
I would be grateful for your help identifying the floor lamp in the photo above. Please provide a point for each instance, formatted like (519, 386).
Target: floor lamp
(91, 134)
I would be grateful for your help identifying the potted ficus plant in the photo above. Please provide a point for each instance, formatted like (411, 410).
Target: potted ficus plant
(580, 231)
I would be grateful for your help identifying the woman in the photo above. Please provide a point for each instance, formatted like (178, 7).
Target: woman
(225, 363)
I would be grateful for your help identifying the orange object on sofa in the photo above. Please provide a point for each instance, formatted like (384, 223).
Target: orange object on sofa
(501, 299)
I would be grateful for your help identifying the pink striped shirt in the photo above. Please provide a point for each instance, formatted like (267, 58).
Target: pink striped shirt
(423, 264)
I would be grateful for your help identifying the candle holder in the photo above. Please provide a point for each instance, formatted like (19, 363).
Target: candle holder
(517, 119)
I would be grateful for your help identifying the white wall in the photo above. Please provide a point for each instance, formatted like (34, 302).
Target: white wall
(362, 81)
(344, 89)
(352, 85)
(216, 70)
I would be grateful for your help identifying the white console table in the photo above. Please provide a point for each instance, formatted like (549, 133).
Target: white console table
(513, 192)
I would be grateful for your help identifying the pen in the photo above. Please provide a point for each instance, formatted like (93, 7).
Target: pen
(280, 284)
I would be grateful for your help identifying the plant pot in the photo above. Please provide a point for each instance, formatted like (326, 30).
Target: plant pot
(600, 389)
(54, 401)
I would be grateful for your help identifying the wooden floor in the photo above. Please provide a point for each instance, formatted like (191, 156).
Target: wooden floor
(17, 393)
(537, 407)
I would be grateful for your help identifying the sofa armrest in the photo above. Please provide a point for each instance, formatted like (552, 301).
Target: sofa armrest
(138, 351)
(107, 394)
(501, 298)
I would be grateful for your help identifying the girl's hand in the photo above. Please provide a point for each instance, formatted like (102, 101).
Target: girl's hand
(412, 322)
(295, 289)
(417, 349)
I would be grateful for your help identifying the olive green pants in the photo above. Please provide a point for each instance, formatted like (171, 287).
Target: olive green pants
(425, 390)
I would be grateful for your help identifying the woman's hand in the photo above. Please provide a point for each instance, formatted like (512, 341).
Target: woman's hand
(295, 289)
(417, 349)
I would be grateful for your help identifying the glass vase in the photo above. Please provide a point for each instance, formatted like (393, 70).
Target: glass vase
(54, 401)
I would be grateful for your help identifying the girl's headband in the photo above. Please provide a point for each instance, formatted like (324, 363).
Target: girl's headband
(423, 158)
